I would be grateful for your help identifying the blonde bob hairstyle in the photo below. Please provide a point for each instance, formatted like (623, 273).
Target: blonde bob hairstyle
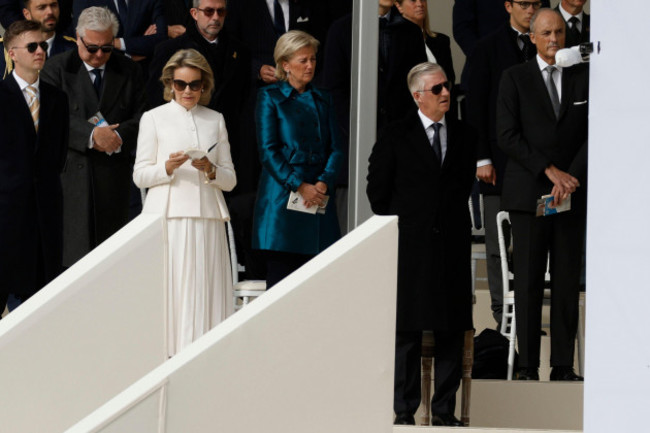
(189, 59)
(286, 47)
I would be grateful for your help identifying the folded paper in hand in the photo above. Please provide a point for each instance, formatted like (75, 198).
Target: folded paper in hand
(297, 202)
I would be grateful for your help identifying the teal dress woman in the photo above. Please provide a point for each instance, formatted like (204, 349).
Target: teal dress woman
(300, 151)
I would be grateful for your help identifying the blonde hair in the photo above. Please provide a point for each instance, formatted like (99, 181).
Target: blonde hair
(188, 59)
(426, 27)
(286, 47)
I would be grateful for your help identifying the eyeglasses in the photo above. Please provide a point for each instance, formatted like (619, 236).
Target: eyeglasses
(33, 46)
(208, 12)
(180, 85)
(437, 88)
(526, 5)
(92, 49)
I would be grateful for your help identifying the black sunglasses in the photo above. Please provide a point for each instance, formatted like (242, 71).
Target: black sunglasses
(92, 49)
(210, 11)
(437, 88)
(33, 46)
(526, 5)
(180, 85)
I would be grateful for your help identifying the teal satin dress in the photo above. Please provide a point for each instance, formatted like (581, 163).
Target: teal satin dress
(298, 141)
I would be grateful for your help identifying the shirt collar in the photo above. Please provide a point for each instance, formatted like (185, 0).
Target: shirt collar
(542, 64)
(567, 16)
(426, 122)
(90, 68)
(23, 84)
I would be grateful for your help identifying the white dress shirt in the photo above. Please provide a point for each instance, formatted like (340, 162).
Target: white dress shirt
(567, 16)
(426, 123)
(23, 87)
(557, 77)
(284, 4)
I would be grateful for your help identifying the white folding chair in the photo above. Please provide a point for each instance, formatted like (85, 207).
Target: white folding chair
(243, 291)
(478, 250)
(508, 323)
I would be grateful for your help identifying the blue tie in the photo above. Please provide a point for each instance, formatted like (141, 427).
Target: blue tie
(437, 147)
(278, 18)
(97, 83)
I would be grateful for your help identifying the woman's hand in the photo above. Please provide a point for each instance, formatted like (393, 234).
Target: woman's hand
(175, 160)
(205, 166)
(313, 194)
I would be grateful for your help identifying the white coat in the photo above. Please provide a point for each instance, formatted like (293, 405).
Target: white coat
(171, 128)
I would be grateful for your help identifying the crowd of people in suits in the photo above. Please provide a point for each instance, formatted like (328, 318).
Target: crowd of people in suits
(179, 95)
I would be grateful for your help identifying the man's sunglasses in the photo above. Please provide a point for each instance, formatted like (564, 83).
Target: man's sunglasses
(92, 49)
(33, 46)
(208, 12)
(437, 88)
(526, 5)
(180, 85)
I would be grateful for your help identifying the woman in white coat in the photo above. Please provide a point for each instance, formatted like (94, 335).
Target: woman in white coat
(184, 159)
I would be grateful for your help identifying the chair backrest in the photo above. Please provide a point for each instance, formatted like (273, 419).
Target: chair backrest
(506, 275)
(234, 265)
(478, 227)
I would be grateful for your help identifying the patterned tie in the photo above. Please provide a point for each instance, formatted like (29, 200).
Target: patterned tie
(552, 90)
(435, 143)
(278, 18)
(34, 104)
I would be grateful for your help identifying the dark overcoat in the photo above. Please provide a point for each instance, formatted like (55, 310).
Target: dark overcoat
(405, 179)
(96, 186)
(30, 187)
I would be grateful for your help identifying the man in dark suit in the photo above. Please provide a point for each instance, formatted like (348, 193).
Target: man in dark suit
(230, 62)
(11, 10)
(577, 21)
(401, 47)
(542, 127)
(475, 19)
(33, 143)
(422, 169)
(99, 84)
(259, 24)
(142, 24)
(509, 45)
(46, 12)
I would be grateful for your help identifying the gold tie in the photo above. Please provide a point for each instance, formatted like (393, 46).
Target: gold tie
(34, 105)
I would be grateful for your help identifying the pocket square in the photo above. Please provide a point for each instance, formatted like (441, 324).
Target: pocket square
(580, 102)
(302, 20)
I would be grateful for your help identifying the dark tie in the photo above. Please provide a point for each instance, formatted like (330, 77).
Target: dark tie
(573, 30)
(97, 84)
(552, 90)
(278, 18)
(123, 12)
(435, 143)
(527, 49)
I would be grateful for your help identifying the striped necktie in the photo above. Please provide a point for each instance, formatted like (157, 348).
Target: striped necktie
(34, 104)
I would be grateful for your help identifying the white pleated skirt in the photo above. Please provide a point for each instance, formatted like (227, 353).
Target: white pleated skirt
(199, 281)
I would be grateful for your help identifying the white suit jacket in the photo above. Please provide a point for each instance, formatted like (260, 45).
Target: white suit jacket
(172, 128)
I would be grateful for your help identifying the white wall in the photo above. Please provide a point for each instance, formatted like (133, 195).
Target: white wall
(618, 354)
(87, 335)
(314, 354)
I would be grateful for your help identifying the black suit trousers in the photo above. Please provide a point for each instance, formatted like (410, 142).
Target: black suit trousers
(448, 370)
(533, 238)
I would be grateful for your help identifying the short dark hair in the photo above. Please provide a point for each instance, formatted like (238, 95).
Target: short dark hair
(17, 28)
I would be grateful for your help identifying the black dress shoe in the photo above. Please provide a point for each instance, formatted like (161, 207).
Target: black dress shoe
(565, 373)
(526, 373)
(446, 419)
(404, 418)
